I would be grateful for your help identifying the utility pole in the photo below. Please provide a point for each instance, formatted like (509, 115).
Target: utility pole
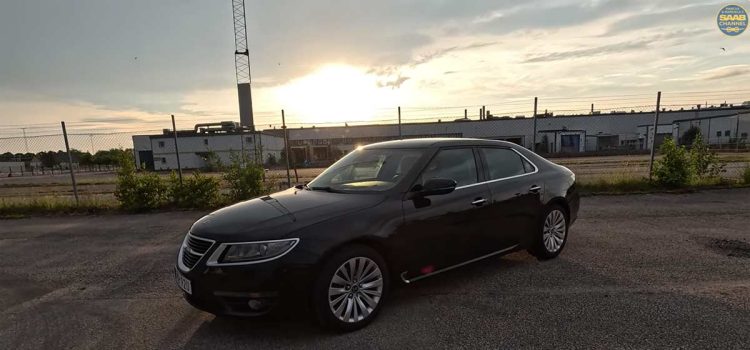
(399, 123)
(70, 162)
(25, 140)
(592, 109)
(652, 139)
(533, 137)
(176, 150)
(286, 148)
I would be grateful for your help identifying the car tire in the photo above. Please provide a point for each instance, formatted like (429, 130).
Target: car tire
(350, 288)
(551, 233)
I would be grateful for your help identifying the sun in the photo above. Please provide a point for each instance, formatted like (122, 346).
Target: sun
(335, 94)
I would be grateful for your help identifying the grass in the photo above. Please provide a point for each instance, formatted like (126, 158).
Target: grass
(610, 184)
(55, 205)
(623, 185)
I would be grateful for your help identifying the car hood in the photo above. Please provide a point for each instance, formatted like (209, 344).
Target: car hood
(276, 215)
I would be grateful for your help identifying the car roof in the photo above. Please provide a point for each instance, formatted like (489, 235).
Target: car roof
(436, 142)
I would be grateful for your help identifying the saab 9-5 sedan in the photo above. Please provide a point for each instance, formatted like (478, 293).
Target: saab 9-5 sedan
(396, 211)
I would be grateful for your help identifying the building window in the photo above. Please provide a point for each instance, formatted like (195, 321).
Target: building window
(249, 139)
(744, 135)
(205, 142)
(727, 133)
(718, 134)
(164, 160)
(161, 144)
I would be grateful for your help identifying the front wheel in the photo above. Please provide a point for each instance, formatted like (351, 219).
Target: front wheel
(552, 233)
(350, 288)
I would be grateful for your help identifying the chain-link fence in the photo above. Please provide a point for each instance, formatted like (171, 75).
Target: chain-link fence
(608, 139)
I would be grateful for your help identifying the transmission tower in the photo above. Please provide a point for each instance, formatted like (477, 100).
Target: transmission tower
(242, 64)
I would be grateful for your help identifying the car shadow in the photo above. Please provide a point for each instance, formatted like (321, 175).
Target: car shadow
(290, 326)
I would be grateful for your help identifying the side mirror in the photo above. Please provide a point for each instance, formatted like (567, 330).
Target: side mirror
(434, 187)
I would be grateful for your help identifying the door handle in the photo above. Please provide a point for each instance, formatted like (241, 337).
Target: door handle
(534, 189)
(479, 202)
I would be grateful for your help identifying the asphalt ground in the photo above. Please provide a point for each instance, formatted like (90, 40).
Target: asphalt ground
(638, 271)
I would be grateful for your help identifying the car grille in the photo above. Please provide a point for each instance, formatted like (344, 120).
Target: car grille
(194, 249)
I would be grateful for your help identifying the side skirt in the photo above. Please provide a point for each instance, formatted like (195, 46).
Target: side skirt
(501, 251)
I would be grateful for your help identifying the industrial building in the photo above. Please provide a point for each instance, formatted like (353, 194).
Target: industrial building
(206, 143)
(555, 134)
(614, 132)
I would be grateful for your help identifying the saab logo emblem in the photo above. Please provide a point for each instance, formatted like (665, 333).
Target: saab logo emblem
(732, 20)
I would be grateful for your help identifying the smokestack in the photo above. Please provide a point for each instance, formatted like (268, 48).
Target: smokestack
(246, 105)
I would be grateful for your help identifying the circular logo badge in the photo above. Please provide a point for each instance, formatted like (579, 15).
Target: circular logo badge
(732, 20)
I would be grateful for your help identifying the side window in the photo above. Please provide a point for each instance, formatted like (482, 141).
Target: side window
(527, 166)
(456, 164)
(502, 163)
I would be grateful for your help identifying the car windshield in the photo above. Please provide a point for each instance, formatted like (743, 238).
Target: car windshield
(367, 170)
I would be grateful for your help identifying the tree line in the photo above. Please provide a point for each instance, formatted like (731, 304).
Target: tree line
(51, 159)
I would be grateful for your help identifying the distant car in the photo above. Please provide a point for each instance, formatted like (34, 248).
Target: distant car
(398, 210)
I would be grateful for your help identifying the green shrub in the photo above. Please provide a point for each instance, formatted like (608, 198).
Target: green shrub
(245, 178)
(212, 162)
(690, 135)
(197, 191)
(746, 175)
(138, 191)
(704, 163)
(673, 169)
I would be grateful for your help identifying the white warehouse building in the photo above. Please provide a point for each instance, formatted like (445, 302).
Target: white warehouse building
(198, 147)
(614, 132)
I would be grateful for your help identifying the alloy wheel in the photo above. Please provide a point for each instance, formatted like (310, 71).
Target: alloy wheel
(355, 289)
(554, 230)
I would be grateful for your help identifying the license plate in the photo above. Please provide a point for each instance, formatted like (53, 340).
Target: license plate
(183, 282)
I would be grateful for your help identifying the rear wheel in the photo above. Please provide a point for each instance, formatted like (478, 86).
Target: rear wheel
(350, 288)
(552, 233)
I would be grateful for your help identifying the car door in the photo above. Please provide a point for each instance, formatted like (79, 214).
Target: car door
(515, 197)
(438, 231)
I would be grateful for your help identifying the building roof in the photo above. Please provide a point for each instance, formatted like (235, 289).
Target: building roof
(710, 117)
(435, 142)
(562, 130)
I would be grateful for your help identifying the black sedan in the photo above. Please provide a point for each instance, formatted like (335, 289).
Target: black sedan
(390, 211)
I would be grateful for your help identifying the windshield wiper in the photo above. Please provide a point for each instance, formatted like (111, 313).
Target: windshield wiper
(322, 188)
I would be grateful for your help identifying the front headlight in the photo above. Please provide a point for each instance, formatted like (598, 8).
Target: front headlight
(251, 252)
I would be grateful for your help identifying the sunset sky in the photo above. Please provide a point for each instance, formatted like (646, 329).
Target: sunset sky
(127, 65)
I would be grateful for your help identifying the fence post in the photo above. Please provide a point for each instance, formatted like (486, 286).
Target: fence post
(652, 139)
(533, 137)
(737, 134)
(176, 150)
(242, 147)
(70, 162)
(286, 147)
(260, 151)
(399, 123)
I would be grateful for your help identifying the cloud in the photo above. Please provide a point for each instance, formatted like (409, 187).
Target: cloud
(394, 84)
(617, 48)
(680, 15)
(590, 52)
(550, 15)
(725, 72)
(112, 119)
(444, 51)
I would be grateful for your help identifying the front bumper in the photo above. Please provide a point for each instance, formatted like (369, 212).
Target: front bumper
(245, 290)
